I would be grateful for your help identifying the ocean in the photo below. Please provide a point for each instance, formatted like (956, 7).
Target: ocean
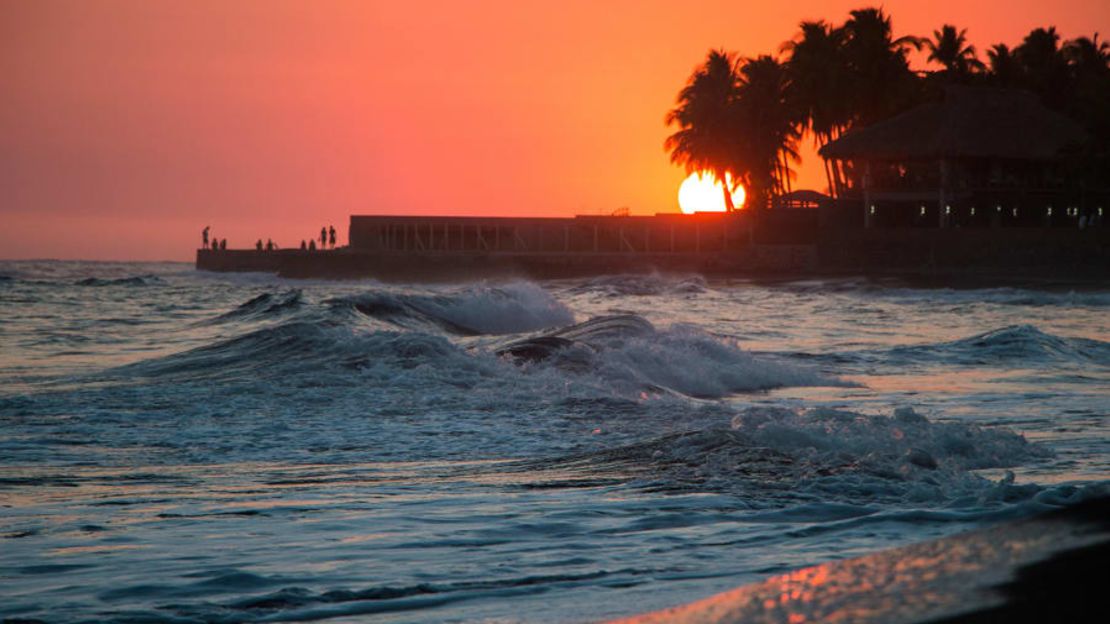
(179, 446)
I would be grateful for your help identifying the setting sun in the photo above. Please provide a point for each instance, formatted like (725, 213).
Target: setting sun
(701, 193)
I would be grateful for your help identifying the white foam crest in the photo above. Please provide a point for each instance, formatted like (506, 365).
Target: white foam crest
(692, 362)
(505, 309)
(908, 438)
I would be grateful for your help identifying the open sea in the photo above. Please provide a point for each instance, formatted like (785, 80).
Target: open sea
(178, 446)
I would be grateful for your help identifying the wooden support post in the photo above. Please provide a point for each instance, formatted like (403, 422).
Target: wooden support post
(595, 238)
(672, 238)
(566, 238)
(624, 241)
(942, 203)
(868, 209)
(480, 240)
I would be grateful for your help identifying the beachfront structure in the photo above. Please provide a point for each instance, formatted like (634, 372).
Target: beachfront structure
(659, 234)
(980, 156)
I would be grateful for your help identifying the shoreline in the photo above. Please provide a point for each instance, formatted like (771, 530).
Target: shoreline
(1050, 567)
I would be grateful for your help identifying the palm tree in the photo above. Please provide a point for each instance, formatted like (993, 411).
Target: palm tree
(1087, 55)
(705, 114)
(1004, 70)
(818, 90)
(1089, 65)
(767, 129)
(1043, 66)
(949, 48)
(881, 78)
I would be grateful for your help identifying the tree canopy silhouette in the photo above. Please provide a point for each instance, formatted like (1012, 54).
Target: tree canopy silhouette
(949, 48)
(706, 139)
(742, 119)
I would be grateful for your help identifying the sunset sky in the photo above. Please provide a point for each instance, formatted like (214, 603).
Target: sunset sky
(126, 127)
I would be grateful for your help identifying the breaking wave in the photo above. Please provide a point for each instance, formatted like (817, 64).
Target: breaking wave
(264, 306)
(632, 355)
(622, 356)
(776, 456)
(478, 310)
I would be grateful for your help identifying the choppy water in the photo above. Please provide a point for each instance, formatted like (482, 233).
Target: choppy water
(178, 446)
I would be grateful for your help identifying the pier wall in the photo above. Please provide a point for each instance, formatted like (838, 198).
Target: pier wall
(1062, 250)
(788, 242)
(702, 233)
(453, 266)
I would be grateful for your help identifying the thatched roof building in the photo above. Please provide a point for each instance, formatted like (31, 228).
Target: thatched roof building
(970, 122)
(943, 163)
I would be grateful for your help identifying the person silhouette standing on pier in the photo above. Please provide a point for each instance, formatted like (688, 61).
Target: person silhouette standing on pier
(204, 236)
(331, 236)
(323, 237)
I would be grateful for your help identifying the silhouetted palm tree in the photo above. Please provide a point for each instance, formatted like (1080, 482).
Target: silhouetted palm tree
(705, 113)
(882, 83)
(949, 48)
(767, 129)
(1087, 55)
(1089, 67)
(1044, 68)
(819, 83)
(1004, 70)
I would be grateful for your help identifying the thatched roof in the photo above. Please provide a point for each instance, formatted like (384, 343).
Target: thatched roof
(971, 122)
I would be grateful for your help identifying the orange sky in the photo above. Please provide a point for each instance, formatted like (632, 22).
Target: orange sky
(126, 126)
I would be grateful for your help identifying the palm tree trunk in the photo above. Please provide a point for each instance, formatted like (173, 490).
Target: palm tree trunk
(828, 179)
(786, 173)
(822, 141)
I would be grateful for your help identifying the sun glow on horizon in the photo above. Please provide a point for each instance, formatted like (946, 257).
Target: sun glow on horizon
(702, 193)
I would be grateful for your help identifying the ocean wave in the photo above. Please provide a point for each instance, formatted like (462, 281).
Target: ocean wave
(631, 355)
(1004, 296)
(264, 306)
(298, 603)
(895, 290)
(620, 357)
(293, 349)
(134, 280)
(643, 285)
(477, 310)
(777, 457)
(1017, 343)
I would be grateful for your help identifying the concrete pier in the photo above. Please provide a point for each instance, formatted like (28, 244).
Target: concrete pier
(783, 243)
